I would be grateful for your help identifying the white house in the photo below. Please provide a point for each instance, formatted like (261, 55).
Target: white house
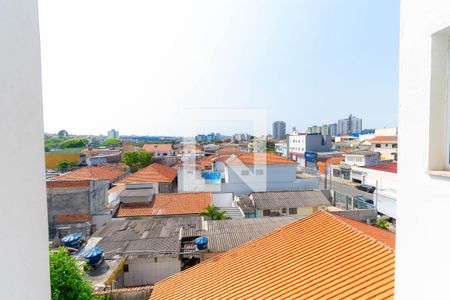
(159, 150)
(385, 145)
(362, 158)
(422, 260)
(301, 142)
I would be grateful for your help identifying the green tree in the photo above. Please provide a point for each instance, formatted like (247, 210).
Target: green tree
(111, 142)
(270, 146)
(53, 142)
(65, 164)
(382, 222)
(67, 277)
(212, 213)
(137, 159)
(74, 143)
(62, 134)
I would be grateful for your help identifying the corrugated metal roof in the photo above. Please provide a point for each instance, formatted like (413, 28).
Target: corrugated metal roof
(272, 200)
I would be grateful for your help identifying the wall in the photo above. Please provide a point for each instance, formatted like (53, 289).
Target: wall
(23, 216)
(422, 260)
(52, 159)
(223, 199)
(142, 271)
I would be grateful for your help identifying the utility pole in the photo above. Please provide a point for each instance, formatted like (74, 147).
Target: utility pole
(325, 171)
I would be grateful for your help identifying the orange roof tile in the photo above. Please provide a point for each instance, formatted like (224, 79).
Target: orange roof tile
(51, 184)
(259, 158)
(383, 139)
(152, 173)
(167, 204)
(319, 257)
(106, 172)
(157, 147)
(72, 218)
(229, 150)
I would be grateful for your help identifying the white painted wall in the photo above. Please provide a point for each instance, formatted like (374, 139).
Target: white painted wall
(23, 215)
(423, 243)
(223, 199)
(142, 271)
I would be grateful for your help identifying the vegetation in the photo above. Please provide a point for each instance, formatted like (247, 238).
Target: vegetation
(53, 142)
(74, 143)
(137, 159)
(212, 213)
(67, 277)
(382, 222)
(111, 142)
(62, 134)
(65, 164)
(270, 146)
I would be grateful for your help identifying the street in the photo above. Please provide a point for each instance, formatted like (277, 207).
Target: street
(341, 188)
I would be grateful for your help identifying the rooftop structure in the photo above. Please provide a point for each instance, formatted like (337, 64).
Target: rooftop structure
(322, 256)
(271, 200)
(111, 172)
(167, 204)
(152, 173)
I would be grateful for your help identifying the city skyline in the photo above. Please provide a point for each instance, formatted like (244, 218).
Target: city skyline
(160, 61)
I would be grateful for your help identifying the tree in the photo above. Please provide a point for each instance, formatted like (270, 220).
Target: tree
(270, 146)
(137, 159)
(63, 134)
(65, 164)
(53, 142)
(74, 143)
(212, 213)
(111, 142)
(67, 277)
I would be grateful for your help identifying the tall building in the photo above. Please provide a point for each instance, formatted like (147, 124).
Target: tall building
(113, 134)
(332, 129)
(351, 124)
(278, 130)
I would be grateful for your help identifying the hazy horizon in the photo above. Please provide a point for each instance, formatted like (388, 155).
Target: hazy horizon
(139, 66)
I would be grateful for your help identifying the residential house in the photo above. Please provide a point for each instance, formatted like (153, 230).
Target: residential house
(385, 145)
(111, 172)
(77, 203)
(301, 143)
(287, 203)
(362, 158)
(160, 178)
(159, 150)
(281, 148)
(94, 157)
(321, 256)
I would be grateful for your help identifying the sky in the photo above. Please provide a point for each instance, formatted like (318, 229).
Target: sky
(183, 67)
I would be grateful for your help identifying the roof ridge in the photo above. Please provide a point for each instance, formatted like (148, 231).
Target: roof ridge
(360, 231)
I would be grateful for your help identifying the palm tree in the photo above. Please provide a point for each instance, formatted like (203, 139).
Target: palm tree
(212, 213)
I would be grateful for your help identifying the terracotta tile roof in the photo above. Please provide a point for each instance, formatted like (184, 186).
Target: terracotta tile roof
(157, 147)
(319, 257)
(63, 184)
(384, 236)
(167, 204)
(229, 150)
(259, 158)
(147, 288)
(106, 172)
(207, 161)
(152, 173)
(388, 167)
(72, 218)
(384, 139)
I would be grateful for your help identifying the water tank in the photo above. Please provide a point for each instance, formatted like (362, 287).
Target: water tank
(201, 243)
(72, 240)
(212, 177)
(93, 255)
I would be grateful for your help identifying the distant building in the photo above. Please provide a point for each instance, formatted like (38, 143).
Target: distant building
(113, 134)
(278, 130)
(159, 149)
(332, 129)
(301, 143)
(362, 158)
(351, 124)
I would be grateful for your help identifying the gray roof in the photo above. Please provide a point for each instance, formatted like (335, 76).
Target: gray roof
(289, 199)
(145, 237)
(136, 193)
(245, 203)
(225, 235)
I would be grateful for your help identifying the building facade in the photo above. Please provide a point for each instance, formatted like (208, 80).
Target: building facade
(278, 130)
(301, 143)
(351, 124)
(113, 134)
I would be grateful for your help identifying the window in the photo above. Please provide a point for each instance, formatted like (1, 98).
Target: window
(377, 145)
(394, 145)
(293, 211)
(259, 172)
(284, 211)
(387, 145)
(125, 268)
(266, 213)
(244, 173)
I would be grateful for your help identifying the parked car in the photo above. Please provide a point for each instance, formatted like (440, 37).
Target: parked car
(366, 188)
(363, 202)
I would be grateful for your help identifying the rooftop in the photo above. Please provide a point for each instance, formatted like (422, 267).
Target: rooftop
(152, 173)
(228, 150)
(167, 204)
(390, 167)
(271, 200)
(384, 139)
(362, 152)
(321, 256)
(258, 158)
(106, 172)
(157, 147)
